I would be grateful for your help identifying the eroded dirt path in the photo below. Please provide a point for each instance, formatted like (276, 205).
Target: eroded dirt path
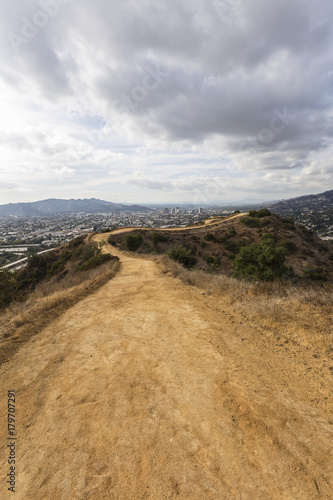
(148, 389)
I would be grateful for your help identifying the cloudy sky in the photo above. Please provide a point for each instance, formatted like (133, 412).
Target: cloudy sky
(165, 100)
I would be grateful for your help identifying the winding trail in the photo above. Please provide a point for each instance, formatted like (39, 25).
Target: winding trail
(148, 389)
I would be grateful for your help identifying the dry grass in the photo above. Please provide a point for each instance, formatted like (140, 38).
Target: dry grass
(53, 297)
(299, 314)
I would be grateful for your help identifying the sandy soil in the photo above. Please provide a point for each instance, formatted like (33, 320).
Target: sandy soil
(148, 389)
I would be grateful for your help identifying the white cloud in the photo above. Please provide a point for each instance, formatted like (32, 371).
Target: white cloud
(190, 93)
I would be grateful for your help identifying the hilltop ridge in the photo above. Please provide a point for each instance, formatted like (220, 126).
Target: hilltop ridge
(216, 246)
(321, 201)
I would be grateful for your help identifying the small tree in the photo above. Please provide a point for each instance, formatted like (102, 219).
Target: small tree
(159, 238)
(183, 255)
(262, 261)
(7, 283)
(133, 241)
(316, 273)
(209, 237)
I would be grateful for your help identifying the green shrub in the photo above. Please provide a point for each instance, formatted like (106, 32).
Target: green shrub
(289, 245)
(265, 222)
(255, 222)
(263, 213)
(16, 285)
(322, 247)
(7, 286)
(213, 260)
(34, 272)
(133, 241)
(221, 239)
(209, 237)
(316, 273)
(308, 233)
(203, 244)
(232, 232)
(260, 213)
(94, 261)
(268, 238)
(217, 261)
(262, 261)
(183, 255)
(76, 242)
(235, 246)
(288, 220)
(84, 252)
(56, 268)
(251, 221)
(159, 238)
(289, 223)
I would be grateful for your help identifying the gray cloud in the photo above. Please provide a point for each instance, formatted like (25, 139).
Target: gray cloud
(253, 84)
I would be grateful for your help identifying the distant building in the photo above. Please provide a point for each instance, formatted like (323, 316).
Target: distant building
(166, 211)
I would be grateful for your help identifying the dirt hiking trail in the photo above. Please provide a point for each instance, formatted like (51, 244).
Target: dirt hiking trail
(149, 389)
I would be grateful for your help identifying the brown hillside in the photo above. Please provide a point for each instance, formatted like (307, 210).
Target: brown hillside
(228, 235)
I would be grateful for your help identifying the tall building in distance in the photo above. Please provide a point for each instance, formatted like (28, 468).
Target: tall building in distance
(166, 211)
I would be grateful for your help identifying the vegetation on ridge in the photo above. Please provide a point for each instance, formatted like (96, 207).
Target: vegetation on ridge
(258, 246)
(75, 257)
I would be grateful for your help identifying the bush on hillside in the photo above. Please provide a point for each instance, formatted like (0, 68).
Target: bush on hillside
(221, 239)
(289, 223)
(209, 237)
(84, 252)
(260, 213)
(316, 274)
(159, 238)
(254, 222)
(263, 261)
(94, 261)
(76, 242)
(235, 246)
(16, 285)
(133, 241)
(7, 285)
(268, 238)
(183, 255)
(289, 245)
(308, 233)
(213, 260)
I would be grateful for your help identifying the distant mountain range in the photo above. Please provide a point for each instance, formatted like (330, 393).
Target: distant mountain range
(312, 202)
(54, 206)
